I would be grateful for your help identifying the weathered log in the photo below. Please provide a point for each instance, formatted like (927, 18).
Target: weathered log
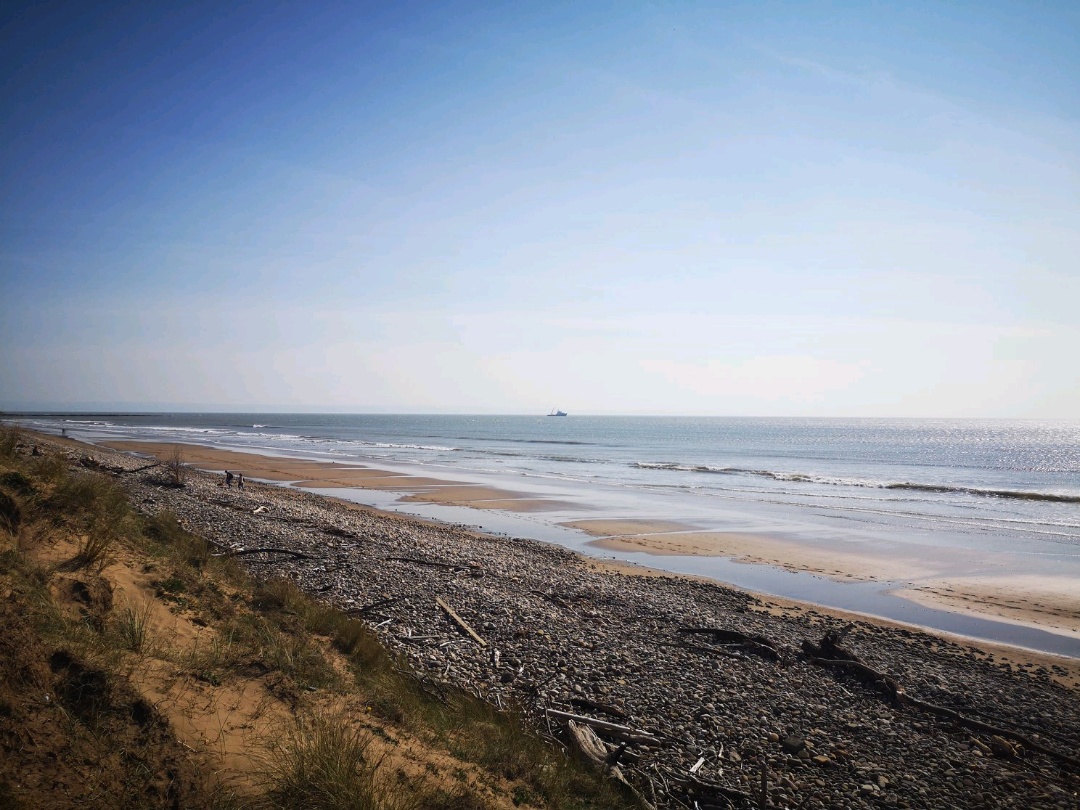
(700, 789)
(334, 531)
(831, 655)
(757, 643)
(555, 600)
(604, 708)
(362, 611)
(460, 622)
(415, 639)
(587, 745)
(625, 732)
(591, 749)
(140, 469)
(705, 648)
(245, 551)
(883, 683)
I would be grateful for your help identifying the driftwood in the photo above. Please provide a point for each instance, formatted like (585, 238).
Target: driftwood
(416, 639)
(553, 598)
(140, 469)
(334, 531)
(828, 653)
(475, 570)
(706, 794)
(604, 708)
(460, 622)
(587, 745)
(245, 551)
(91, 463)
(705, 648)
(624, 732)
(363, 611)
(755, 643)
(591, 749)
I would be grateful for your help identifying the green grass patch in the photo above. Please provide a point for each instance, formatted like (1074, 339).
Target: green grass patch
(324, 762)
(131, 628)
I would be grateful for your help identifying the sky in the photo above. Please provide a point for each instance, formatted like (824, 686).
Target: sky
(754, 209)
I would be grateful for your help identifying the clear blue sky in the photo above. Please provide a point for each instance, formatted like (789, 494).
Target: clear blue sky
(704, 208)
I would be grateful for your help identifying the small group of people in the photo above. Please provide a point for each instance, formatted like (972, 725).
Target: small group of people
(230, 476)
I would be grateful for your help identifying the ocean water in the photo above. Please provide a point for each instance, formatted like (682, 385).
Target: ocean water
(995, 488)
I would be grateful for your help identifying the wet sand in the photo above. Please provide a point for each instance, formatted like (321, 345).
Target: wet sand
(668, 539)
(1046, 602)
(333, 475)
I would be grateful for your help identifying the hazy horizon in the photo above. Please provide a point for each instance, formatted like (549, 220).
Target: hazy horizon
(835, 209)
(97, 409)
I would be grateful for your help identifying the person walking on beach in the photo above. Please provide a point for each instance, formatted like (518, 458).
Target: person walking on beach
(239, 480)
(228, 479)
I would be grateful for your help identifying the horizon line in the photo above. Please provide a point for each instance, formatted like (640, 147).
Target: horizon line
(127, 409)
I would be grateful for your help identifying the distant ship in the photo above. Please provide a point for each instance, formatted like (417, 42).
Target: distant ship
(556, 412)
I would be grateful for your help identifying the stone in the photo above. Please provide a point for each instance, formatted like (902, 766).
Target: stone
(792, 744)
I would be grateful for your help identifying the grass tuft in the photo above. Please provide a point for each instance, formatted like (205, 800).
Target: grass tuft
(10, 438)
(95, 552)
(323, 763)
(349, 636)
(10, 514)
(132, 628)
(15, 481)
(95, 508)
(165, 532)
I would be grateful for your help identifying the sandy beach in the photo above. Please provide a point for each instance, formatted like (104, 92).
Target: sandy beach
(661, 538)
(933, 578)
(331, 475)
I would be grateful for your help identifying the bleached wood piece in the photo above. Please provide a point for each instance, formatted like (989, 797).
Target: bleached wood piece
(587, 744)
(460, 622)
(584, 740)
(603, 725)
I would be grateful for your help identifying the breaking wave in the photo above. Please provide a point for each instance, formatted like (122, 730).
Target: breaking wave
(946, 489)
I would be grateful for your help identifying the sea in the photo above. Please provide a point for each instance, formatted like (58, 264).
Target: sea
(979, 491)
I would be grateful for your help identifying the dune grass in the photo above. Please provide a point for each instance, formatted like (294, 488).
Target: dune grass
(324, 762)
(267, 627)
(131, 627)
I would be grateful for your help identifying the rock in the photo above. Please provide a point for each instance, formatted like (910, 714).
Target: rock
(1002, 747)
(792, 744)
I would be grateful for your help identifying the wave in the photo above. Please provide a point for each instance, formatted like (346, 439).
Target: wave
(1019, 494)
(510, 440)
(176, 429)
(393, 446)
(705, 468)
(944, 489)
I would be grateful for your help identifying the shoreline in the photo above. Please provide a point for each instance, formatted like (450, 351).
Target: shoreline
(652, 538)
(1042, 602)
